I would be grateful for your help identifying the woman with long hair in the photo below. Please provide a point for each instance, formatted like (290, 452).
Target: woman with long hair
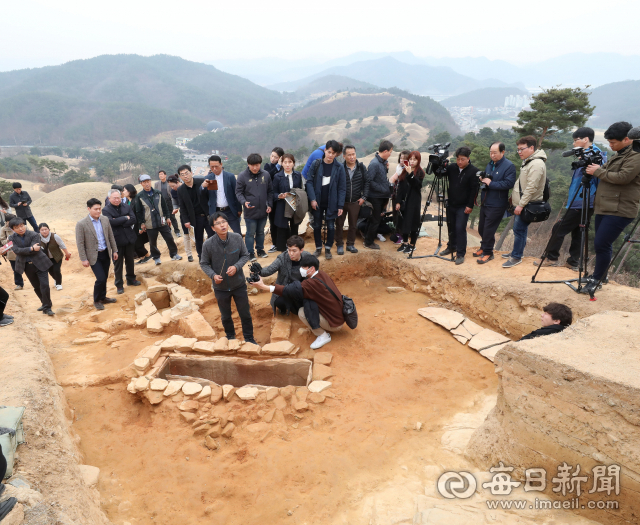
(283, 182)
(129, 193)
(410, 201)
(395, 180)
(54, 247)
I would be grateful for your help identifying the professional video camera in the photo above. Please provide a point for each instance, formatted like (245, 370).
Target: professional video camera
(483, 175)
(585, 157)
(439, 160)
(254, 275)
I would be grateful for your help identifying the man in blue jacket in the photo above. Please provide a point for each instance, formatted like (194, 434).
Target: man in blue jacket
(570, 223)
(222, 199)
(494, 199)
(326, 189)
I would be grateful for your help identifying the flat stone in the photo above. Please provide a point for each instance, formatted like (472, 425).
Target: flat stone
(154, 324)
(141, 384)
(287, 391)
(177, 276)
(249, 349)
(145, 310)
(191, 388)
(95, 337)
(205, 347)
(152, 353)
(189, 406)
(89, 474)
(228, 430)
(182, 309)
(221, 345)
(206, 392)
(173, 388)
(159, 384)
(234, 345)
(321, 372)
(210, 443)
(272, 393)
(302, 393)
(188, 417)
(307, 353)
(322, 358)
(491, 352)
(280, 403)
(486, 339)
(279, 348)
(195, 325)
(201, 429)
(395, 289)
(141, 364)
(178, 342)
(461, 339)
(472, 327)
(281, 329)
(247, 393)
(131, 387)
(157, 288)
(140, 297)
(228, 391)
(178, 398)
(315, 397)
(268, 417)
(216, 393)
(260, 427)
(319, 386)
(215, 431)
(446, 318)
(154, 397)
(462, 332)
(301, 406)
(165, 317)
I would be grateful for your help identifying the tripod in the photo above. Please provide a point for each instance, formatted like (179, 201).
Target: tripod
(585, 191)
(439, 186)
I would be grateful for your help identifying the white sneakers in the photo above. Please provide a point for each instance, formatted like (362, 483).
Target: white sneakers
(381, 238)
(321, 340)
(58, 287)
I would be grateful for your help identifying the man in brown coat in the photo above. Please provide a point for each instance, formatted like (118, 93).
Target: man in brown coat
(617, 198)
(96, 247)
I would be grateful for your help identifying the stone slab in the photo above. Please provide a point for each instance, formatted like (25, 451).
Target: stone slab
(191, 388)
(395, 289)
(228, 391)
(486, 339)
(221, 345)
(281, 329)
(319, 386)
(216, 393)
(472, 327)
(195, 325)
(322, 358)
(249, 349)
(445, 318)
(205, 347)
(321, 372)
(205, 392)
(247, 393)
(173, 388)
(154, 324)
(159, 384)
(178, 342)
(462, 332)
(279, 348)
(141, 384)
(189, 406)
(491, 352)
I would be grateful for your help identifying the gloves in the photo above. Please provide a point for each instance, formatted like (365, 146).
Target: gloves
(399, 169)
(255, 268)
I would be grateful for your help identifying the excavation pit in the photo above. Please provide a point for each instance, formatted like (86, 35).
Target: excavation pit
(237, 371)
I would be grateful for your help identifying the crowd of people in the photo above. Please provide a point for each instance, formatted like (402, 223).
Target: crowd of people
(333, 193)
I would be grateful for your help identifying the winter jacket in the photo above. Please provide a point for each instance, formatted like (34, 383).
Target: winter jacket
(463, 185)
(545, 330)
(619, 189)
(379, 186)
(149, 211)
(257, 191)
(272, 169)
(317, 154)
(287, 273)
(410, 198)
(575, 189)
(281, 185)
(21, 211)
(121, 226)
(22, 248)
(210, 197)
(187, 211)
(337, 187)
(358, 184)
(496, 194)
(217, 256)
(533, 175)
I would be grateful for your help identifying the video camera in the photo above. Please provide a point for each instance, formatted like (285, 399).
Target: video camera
(585, 157)
(483, 175)
(439, 160)
(254, 275)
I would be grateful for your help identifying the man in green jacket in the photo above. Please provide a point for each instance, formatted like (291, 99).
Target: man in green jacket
(617, 198)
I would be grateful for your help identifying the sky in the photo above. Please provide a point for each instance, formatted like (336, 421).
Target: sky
(36, 33)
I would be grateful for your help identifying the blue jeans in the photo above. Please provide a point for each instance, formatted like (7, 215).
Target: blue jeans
(255, 231)
(317, 230)
(520, 228)
(31, 220)
(608, 229)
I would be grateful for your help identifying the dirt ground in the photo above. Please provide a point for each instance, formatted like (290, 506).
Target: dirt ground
(346, 461)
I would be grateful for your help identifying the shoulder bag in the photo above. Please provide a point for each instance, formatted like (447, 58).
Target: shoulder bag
(538, 211)
(348, 308)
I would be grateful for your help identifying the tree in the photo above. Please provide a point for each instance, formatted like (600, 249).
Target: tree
(375, 118)
(348, 125)
(554, 110)
(400, 129)
(54, 168)
(74, 177)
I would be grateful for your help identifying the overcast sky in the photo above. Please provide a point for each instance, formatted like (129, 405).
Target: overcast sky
(37, 33)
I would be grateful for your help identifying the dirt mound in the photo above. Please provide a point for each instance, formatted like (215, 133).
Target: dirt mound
(70, 202)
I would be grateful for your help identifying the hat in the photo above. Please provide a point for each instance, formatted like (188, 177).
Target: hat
(143, 177)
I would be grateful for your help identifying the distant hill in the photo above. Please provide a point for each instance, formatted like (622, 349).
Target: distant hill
(390, 72)
(484, 98)
(123, 97)
(331, 84)
(614, 102)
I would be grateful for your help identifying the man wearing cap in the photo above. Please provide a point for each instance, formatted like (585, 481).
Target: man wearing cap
(153, 214)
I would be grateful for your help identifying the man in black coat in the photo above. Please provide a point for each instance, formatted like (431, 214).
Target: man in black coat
(20, 201)
(122, 220)
(357, 186)
(555, 318)
(194, 205)
(463, 188)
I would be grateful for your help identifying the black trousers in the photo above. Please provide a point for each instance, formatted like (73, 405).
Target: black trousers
(4, 297)
(17, 278)
(140, 247)
(378, 207)
(101, 271)
(241, 299)
(56, 270)
(570, 223)
(318, 220)
(282, 234)
(40, 281)
(490, 218)
(126, 255)
(201, 225)
(457, 228)
(280, 303)
(165, 231)
(32, 220)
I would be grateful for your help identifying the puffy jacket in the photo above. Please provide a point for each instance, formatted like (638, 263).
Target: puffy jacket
(575, 187)
(122, 227)
(358, 185)
(257, 191)
(379, 187)
(337, 187)
(533, 175)
(496, 195)
(619, 189)
(315, 155)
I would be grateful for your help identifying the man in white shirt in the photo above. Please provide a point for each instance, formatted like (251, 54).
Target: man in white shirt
(220, 186)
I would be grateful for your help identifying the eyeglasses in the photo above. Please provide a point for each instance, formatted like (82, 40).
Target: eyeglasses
(520, 150)
(220, 223)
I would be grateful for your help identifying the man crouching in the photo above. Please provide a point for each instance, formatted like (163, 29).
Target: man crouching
(317, 299)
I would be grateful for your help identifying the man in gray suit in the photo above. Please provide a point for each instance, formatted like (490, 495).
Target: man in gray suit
(96, 247)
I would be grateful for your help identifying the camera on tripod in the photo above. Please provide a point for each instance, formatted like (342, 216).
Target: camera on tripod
(585, 157)
(483, 175)
(439, 160)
